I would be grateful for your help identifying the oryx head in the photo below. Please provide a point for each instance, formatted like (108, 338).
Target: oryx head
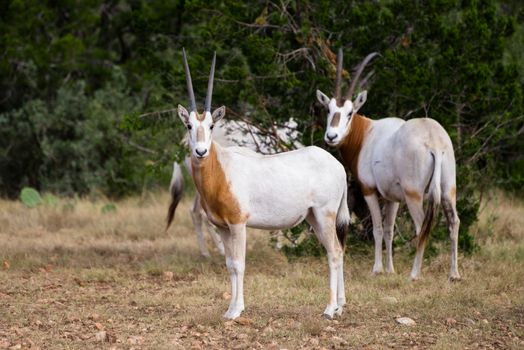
(200, 126)
(342, 109)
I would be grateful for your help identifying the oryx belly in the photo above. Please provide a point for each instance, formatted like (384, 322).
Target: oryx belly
(279, 190)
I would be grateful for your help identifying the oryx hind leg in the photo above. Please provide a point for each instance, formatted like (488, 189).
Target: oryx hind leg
(214, 236)
(450, 210)
(324, 225)
(416, 210)
(196, 216)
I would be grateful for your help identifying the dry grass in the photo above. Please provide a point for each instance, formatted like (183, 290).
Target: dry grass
(68, 276)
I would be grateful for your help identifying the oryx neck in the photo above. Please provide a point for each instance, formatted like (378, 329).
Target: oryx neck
(351, 145)
(218, 200)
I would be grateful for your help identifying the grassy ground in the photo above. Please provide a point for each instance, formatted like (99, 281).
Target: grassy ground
(79, 279)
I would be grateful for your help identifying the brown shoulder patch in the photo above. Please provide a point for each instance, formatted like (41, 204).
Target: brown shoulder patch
(219, 202)
(352, 144)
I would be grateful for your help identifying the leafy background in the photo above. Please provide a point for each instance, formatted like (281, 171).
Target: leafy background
(75, 76)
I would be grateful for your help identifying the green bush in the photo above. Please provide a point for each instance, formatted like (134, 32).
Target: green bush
(30, 197)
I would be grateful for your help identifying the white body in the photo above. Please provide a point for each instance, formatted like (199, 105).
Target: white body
(230, 133)
(401, 161)
(275, 192)
(240, 188)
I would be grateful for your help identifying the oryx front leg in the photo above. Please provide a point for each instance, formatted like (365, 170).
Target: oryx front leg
(390, 214)
(235, 248)
(324, 227)
(376, 217)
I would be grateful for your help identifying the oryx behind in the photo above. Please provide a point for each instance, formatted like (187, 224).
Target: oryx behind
(401, 161)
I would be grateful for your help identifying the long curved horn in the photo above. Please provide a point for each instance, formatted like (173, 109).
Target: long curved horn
(189, 83)
(358, 73)
(210, 85)
(338, 81)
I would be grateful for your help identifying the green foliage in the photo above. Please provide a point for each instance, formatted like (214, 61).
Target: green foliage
(50, 200)
(30, 197)
(108, 208)
(75, 77)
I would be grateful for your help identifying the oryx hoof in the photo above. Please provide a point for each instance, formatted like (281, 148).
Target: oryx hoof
(339, 310)
(455, 278)
(231, 314)
(327, 316)
(377, 271)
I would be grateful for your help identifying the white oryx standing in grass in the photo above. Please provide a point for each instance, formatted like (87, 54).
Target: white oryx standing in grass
(398, 160)
(240, 188)
(229, 133)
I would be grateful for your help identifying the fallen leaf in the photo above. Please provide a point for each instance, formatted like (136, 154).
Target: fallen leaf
(168, 275)
(450, 321)
(470, 322)
(94, 317)
(314, 341)
(135, 340)
(7, 265)
(99, 326)
(101, 336)
(79, 281)
(390, 300)
(330, 329)
(226, 296)
(243, 321)
(406, 321)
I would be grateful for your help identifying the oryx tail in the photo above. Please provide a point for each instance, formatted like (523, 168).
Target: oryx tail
(433, 191)
(176, 189)
(343, 218)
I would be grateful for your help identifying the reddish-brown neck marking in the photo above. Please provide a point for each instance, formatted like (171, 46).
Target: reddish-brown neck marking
(217, 199)
(352, 144)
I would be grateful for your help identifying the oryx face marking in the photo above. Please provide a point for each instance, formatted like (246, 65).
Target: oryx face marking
(340, 114)
(200, 133)
(338, 121)
(200, 129)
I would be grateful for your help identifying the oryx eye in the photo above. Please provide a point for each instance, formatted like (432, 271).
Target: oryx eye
(188, 126)
(211, 126)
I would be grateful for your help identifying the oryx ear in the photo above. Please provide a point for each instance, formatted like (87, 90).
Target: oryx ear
(322, 98)
(360, 100)
(183, 114)
(218, 114)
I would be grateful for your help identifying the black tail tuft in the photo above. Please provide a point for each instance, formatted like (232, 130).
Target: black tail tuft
(176, 190)
(342, 231)
(427, 224)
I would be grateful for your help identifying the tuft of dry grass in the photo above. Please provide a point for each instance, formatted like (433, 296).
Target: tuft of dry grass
(69, 275)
